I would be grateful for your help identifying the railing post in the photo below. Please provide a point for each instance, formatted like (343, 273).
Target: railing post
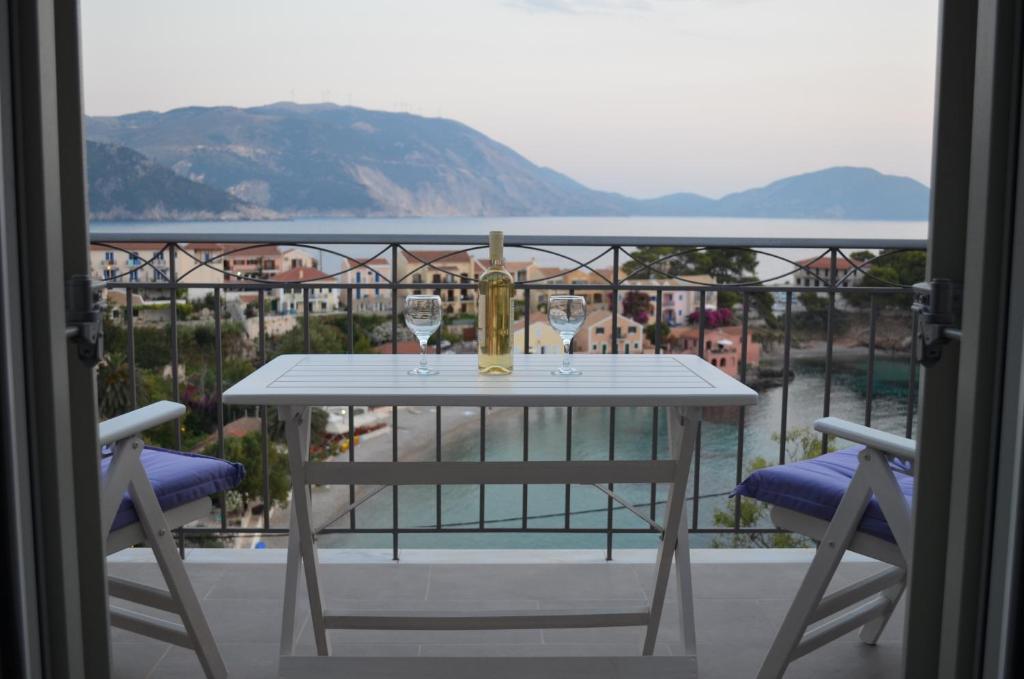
(786, 342)
(219, 349)
(175, 391)
(611, 411)
(870, 387)
(394, 409)
(133, 373)
(829, 336)
(264, 425)
(742, 420)
(701, 323)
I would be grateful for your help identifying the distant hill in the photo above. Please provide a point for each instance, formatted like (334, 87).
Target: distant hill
(836, 193)
(322, 159)
(124, 184)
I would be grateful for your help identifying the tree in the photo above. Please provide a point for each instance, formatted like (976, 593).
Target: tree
(636, 305)
(894, 268)
(768, 338)
(113, 385)
(726, 265)
(813, 302)
(248, 450)
(801, 444)
(317, 427)
(657, 326)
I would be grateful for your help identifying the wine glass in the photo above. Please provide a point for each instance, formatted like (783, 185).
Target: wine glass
(423, 318)
(566, 314)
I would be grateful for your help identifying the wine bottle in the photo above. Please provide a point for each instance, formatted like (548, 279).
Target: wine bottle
(494, 313)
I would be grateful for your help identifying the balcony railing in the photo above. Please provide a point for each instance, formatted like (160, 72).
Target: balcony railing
(605, 268)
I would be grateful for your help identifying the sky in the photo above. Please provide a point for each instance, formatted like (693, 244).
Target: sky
(643, 97)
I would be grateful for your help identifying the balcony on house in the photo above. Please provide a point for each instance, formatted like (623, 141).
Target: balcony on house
(466, 547)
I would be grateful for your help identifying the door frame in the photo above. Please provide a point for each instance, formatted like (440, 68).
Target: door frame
(978, 117)
(52, 535)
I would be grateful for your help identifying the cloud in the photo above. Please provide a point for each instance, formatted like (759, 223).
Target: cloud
(582, 6)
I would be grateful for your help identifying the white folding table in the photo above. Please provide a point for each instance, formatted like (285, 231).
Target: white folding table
(683, 384)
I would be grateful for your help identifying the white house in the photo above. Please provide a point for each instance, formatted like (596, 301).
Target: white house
(128, 262)
(289, 298)
(366, 300)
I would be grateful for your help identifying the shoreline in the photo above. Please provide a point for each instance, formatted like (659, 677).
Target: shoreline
(417, 435)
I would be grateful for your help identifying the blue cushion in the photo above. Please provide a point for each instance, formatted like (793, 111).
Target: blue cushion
(177, 478)
(815, 487)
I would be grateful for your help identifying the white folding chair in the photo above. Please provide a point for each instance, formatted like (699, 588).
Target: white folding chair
(153, 527)
(815, 619)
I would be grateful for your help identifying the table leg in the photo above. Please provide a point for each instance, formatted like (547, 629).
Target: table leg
(682, 438)
(296, 430)
(291, 586)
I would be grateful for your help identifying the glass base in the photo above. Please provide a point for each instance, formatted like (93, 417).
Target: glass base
(567, 372)
(423, 371)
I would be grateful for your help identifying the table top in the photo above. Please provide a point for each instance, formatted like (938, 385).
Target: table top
(382, 379)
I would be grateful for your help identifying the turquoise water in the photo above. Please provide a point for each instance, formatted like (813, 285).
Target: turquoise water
(633, 440)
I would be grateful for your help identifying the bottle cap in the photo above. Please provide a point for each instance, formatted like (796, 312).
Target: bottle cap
(497, 242)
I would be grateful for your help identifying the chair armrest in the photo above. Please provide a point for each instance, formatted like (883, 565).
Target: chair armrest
(129, 424)
(897, 446)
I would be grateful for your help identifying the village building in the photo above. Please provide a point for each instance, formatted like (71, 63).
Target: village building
(368, 300)
(595, 336)
(129, 262)
(424, 267)
(722, 346)
(296, 285)
(543, 338)
(676, 305)
(816, 272)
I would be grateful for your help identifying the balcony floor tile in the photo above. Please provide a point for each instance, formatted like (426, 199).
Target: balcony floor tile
(738, 609)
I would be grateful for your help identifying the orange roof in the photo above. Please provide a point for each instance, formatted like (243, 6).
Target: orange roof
(404, 347)
(825, 262)
(128, 246)
(251, 249)
(734, 332)
(602, 315)
(205, 246)
(301, 274)
(239, 427)
(242, 426)
(436, 256)
(535, 318)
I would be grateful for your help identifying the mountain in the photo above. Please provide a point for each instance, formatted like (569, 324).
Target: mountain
(323, 159)
(835, 193)
(332, 160)
(124, 184)
(675, 205)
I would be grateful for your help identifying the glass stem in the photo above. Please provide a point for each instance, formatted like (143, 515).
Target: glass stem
(566, 356)
(423, 355)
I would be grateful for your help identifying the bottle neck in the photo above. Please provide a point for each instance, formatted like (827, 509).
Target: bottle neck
(497, 250)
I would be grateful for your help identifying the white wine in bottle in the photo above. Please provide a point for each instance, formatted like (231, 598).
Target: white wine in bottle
(494, 313)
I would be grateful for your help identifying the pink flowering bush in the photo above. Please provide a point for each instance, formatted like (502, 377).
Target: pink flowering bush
(713, 318)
